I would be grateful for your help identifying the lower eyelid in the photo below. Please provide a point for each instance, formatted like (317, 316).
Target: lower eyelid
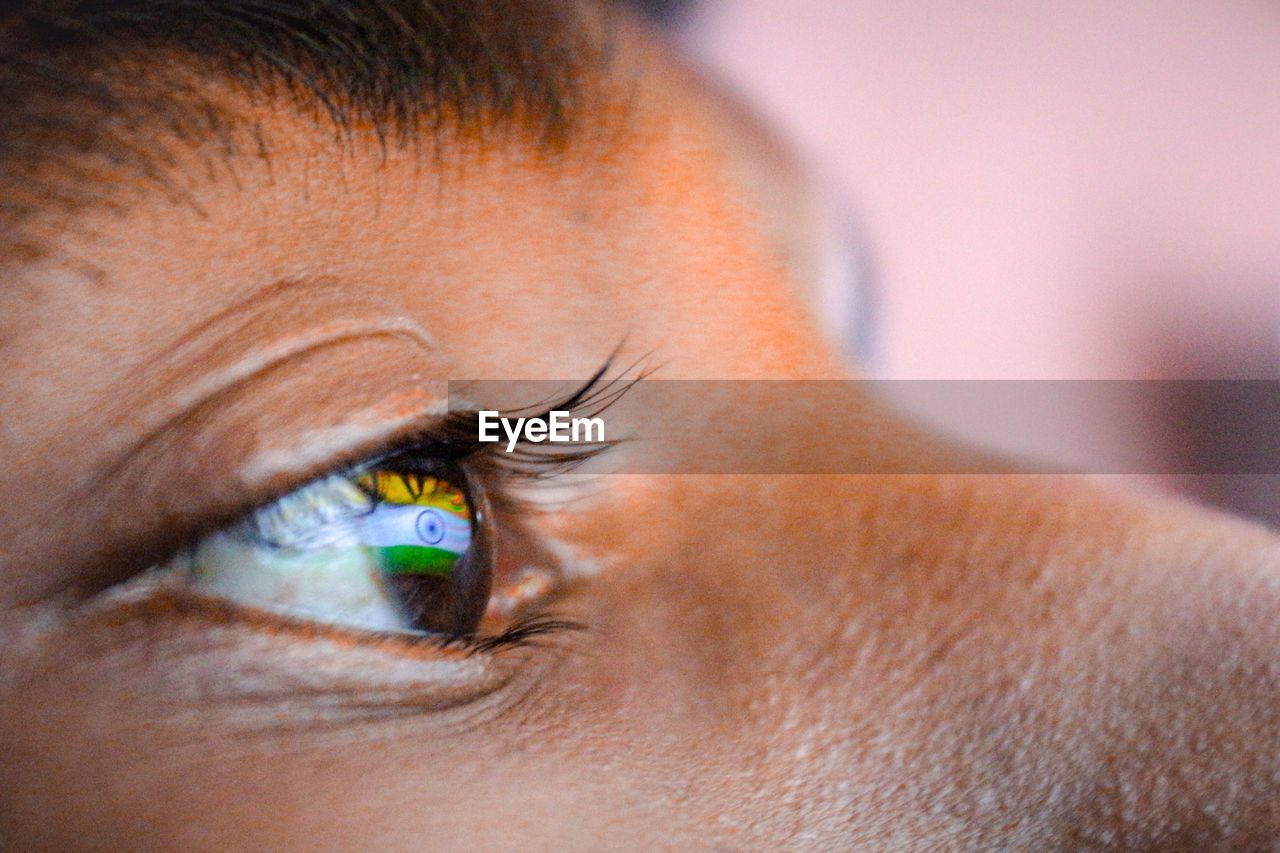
(199, 665)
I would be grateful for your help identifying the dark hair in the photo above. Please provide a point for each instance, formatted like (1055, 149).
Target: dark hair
(94, 86)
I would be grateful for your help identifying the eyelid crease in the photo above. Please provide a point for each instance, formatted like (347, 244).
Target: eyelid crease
(257, 363)
(262, 359)
(290, 295)
(245, 340)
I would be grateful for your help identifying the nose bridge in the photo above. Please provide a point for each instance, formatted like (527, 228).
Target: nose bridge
(785, 573)
(870, 644)
(1029, 651)
(876, 629)
(821, 669)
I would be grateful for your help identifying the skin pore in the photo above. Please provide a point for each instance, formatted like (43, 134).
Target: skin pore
(969, 661)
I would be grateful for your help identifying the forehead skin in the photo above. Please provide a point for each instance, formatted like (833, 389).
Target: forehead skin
(965, 661)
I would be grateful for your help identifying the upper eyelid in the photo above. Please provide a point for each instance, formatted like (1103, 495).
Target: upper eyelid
(233, 380)
(345, 455)
(453, 434)
(456, 431)
(348, 463)
(410, 438)
(452, 428)
(331, 301)
(127, 553)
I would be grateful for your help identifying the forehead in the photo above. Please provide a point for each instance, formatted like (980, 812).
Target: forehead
(646, 194)
(654, 196)
(317, 275)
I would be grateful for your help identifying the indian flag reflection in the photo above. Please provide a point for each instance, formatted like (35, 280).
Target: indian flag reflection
(342, 551)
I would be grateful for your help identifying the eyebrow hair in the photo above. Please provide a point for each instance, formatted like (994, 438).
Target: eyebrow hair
(94, 87)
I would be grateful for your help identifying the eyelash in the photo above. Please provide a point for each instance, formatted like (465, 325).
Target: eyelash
(455, 439)
(453, 442)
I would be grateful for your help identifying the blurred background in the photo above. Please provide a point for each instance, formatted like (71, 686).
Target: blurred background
(1044, 190)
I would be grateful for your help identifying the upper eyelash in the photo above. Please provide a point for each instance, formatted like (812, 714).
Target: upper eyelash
(455, 439)
(455, 442)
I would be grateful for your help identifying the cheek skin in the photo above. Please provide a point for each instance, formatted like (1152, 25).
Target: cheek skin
(474, 775)
(965, 647)
(611, 724)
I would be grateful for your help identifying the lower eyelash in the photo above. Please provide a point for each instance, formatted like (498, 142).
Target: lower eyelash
(524, 632)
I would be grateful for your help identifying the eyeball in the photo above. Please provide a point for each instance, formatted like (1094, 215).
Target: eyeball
(386, 550)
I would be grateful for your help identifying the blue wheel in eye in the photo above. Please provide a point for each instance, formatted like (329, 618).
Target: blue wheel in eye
(430, 527)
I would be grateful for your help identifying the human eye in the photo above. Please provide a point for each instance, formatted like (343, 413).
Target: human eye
(400, 545)
(424, 540)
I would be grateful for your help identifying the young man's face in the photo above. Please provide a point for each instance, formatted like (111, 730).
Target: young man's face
(814, 661)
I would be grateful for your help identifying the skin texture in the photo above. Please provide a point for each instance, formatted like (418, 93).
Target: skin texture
(959, 660)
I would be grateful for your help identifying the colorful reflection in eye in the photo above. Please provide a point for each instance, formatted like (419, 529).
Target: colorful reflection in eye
(385, 550)
(417, 526)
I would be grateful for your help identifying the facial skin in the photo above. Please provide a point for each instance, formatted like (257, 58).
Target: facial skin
(909, 660)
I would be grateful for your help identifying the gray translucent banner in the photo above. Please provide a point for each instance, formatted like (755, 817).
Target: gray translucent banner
(1176, 427)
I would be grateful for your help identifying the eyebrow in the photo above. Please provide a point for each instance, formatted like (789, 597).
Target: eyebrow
(95, 87)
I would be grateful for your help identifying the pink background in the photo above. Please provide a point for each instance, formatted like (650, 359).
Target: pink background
(1048, 190)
